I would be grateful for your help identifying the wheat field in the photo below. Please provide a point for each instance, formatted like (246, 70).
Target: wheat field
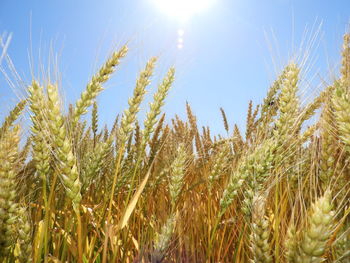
(170, 191)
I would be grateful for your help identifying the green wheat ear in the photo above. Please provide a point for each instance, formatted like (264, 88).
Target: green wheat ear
(291, 244)
(341, 103)
(129, 115)
(341, 96)
(288, 102)
(67, 161)
(94, 87)
(156, 105)
(41, 149)
(329, 144)
(315, 234)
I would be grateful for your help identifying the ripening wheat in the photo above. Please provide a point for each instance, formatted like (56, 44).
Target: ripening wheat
(169, 191)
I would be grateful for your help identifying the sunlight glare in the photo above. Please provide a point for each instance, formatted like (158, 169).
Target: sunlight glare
(182, 9)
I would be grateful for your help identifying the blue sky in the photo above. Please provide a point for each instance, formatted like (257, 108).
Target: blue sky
(230, 54)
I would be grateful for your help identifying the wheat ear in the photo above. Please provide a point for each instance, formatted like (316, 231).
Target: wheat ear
(8, 206)
(67, 161)
(94, 87)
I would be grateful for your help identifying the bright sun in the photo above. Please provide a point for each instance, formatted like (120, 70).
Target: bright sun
(182, 9)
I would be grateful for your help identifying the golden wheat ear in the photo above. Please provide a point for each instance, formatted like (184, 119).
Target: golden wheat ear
(12, 117)
(219, 164)
(8, 206)
(24, 236)
(260, 235)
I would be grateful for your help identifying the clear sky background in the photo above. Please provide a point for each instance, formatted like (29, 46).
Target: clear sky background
(231, 52)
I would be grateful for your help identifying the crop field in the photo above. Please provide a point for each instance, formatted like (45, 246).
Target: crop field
(166, 190)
